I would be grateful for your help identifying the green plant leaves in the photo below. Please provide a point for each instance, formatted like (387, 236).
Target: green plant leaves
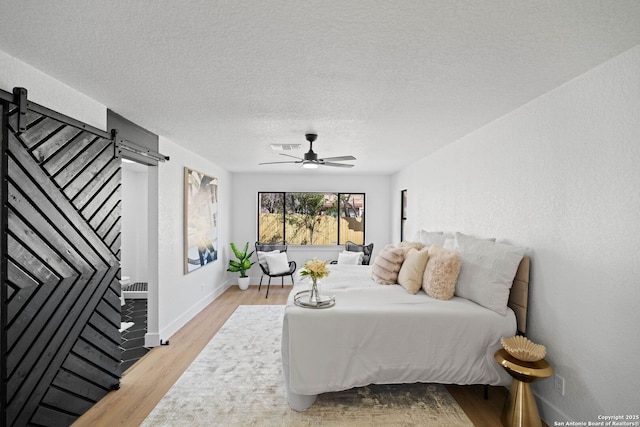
(244, 260)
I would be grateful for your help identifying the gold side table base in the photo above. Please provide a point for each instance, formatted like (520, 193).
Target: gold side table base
(520, 409)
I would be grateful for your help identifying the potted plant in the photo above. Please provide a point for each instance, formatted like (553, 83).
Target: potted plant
(241, 265)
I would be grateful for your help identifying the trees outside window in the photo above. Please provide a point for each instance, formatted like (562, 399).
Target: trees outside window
(311, 218)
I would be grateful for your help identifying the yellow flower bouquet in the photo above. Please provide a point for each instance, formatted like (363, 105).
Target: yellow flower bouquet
(315, 269)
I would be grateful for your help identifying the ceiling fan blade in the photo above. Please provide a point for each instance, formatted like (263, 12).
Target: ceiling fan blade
(289, 155)
(339, 158)
(337, 165)
(273, 163)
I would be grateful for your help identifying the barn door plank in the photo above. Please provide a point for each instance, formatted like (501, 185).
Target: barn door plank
(41, 131)
(30, 119)
(63, 137)
(56, 208)
(49, 256)
(66, 238)
(58, 161)
(83, 168)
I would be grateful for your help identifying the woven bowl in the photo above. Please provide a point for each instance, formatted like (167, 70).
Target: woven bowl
(524, 349)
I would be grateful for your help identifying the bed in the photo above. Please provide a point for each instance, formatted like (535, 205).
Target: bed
(380, 334)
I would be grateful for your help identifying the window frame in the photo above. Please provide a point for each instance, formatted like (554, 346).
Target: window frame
(403, 213)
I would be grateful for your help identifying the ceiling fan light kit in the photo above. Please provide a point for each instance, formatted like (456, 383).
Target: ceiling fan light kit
(311, 160)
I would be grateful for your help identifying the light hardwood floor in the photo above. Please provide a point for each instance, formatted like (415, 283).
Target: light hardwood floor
(146, 382)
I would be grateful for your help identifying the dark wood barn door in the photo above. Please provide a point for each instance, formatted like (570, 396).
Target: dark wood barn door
(60, 268)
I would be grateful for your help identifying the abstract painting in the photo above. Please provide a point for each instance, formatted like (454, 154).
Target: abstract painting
(200, 219)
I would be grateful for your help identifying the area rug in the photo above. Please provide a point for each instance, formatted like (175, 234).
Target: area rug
(237, 380)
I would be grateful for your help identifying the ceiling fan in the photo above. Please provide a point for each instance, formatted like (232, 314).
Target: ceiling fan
(311, 160)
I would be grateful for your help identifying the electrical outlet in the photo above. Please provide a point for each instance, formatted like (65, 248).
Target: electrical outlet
(558, 383)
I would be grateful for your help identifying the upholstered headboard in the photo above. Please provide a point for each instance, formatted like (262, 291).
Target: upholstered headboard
(519, 296)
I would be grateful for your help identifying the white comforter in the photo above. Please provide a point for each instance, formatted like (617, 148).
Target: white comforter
(380, 334)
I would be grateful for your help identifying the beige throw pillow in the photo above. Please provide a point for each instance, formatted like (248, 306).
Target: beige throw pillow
(441, 273)
(387, 264)
(406, 246)
(412, 270)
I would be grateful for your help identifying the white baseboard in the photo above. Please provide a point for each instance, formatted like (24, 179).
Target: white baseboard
(189, 314)
(550, 413)
(151, 340)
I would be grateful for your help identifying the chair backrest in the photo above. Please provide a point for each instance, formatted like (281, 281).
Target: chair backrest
(269, 247)
(367, 249)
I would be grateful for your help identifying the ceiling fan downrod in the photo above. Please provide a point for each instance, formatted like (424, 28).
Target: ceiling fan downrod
(310, 156)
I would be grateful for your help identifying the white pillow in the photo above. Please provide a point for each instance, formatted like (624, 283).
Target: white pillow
(350, 258)
(449, 243)
(277, 262)
(428, 238)
(436, 239)
(487, 270)
(262, 260)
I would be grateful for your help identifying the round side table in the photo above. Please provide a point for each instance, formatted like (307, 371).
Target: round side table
(520, 409)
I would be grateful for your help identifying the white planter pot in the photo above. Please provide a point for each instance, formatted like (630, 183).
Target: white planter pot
(243, 283)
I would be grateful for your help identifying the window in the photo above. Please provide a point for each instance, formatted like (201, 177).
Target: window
(311, 218)
(403, 213)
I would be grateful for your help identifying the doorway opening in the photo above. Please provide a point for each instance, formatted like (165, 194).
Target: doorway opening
(134, 261)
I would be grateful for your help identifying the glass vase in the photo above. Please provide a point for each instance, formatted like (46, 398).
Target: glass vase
(314, 294)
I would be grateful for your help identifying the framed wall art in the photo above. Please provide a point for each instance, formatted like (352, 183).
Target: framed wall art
(200, 220)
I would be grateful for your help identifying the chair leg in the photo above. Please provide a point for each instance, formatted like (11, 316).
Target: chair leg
(282, 278)
(268, 286)
(260, 285)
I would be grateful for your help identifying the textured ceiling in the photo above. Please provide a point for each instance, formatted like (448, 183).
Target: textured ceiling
(385, 81)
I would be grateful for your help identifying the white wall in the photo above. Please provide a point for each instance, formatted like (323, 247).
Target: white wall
(49, 92)
(134, 237)
(181, 296)
(245, 207)
(560, 175)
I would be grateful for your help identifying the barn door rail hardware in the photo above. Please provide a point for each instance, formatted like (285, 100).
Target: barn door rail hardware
(19, 97)
(123, 144)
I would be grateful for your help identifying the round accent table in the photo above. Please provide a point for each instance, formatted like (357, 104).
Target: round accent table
(520, 409)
